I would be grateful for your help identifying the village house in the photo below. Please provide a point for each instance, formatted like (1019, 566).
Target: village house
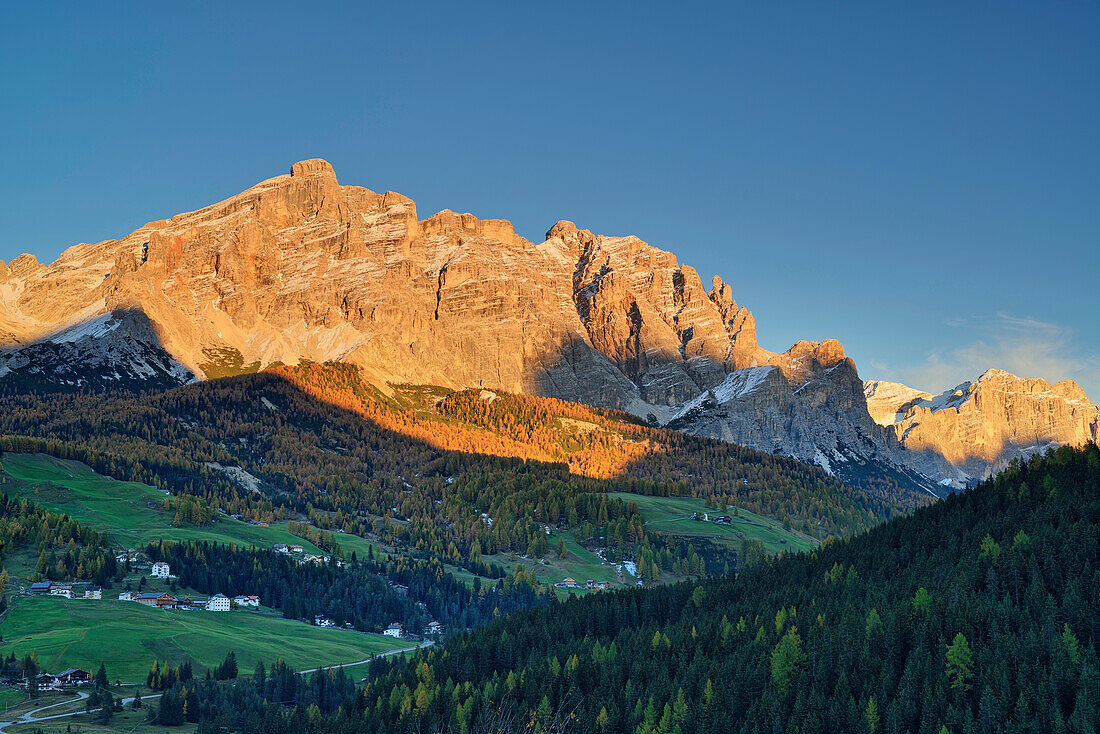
(65, 590)
(39, 587)
(73, 677)
(394, 630)
(166, 601)
(154, 599)
(297, 549)
(126, 596)
(280, 548)
(45, 682)
(93, 592)
(218, 603)
(127, 556)
(567, 583)
(323, 621)
(434, 628)
(161, 570)
(250, 600)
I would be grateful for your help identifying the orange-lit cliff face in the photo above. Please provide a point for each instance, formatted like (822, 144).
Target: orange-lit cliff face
(980, 426)
(300, 267)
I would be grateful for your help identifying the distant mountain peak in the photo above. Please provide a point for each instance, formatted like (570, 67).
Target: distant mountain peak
(980, 425)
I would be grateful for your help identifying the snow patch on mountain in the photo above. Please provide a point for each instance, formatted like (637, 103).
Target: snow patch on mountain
(738, 384)
(93, 329)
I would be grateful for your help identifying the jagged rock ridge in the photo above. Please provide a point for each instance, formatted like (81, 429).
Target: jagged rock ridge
(979, 426)
(301, 267)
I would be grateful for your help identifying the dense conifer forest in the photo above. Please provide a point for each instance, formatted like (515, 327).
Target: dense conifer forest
(65, 548)
(361, 593)
(976, 614)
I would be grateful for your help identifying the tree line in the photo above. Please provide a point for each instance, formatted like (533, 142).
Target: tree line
(976, 614)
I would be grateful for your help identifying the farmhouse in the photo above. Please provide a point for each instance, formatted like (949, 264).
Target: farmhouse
(93, 592)
(297, 549)
(218, 603)
(161, 570)
(153, 599)
(247, 601)
(394, 630)
(323, 621)
(126, 596)
(434, 628)
(39, 587)
(567, 583)
(166, 601)
(73, 677)
(46, 682)
(281, 548)
(65, 590)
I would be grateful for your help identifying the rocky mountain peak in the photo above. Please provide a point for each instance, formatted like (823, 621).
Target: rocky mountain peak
(979, 426)
(572, 240)
(300, 267)
(447, 222)
(722, 294)
(806, 358)
(312, 166)
(23, 266)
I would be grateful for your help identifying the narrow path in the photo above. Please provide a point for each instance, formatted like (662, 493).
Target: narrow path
(427, 643)
(29, 716)
(32, 717)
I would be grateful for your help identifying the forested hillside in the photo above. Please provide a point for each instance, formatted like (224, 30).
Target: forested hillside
(459, 479)
(977, 614)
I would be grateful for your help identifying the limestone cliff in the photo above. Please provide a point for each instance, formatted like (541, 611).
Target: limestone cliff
(300, 267)
(979, 426)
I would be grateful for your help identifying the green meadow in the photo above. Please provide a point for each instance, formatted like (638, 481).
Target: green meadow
(127, 637)
(130, 512)
(673, 515)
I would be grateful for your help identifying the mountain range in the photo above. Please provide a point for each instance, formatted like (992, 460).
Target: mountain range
(301, 268)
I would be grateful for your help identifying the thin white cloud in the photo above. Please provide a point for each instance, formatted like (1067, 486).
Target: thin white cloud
(1022, 345)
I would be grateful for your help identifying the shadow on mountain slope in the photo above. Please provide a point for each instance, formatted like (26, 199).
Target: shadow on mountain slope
(332, 444)
(119, 349)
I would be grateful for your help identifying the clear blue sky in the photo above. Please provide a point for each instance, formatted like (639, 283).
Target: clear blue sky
(919, 180)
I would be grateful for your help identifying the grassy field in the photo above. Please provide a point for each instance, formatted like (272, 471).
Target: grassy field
(129, 511)
(10, 697)
(127, 637)
(664, 514)
(579, 563)
(132, 512)
(673, 515)
(123, 721)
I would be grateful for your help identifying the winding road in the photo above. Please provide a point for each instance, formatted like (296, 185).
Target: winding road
(34, 716)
